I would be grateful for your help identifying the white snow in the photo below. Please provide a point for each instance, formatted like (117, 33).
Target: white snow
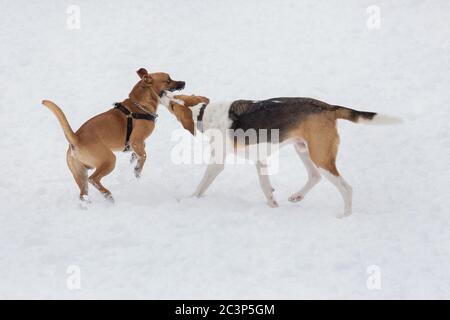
(156, 241)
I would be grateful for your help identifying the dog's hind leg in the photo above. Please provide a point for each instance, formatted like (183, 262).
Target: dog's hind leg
(313, 173)
(265, 184)
(344, 188)
(323, 146)
(105, 167)
(79, 172)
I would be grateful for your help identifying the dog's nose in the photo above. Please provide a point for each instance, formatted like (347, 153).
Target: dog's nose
(180, 85)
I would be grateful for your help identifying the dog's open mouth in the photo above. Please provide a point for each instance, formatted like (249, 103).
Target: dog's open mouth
(179, 86)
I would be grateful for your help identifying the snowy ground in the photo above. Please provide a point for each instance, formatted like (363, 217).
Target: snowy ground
(156, 241)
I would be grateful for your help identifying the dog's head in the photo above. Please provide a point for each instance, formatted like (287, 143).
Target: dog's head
(152, 84)
(181, 106)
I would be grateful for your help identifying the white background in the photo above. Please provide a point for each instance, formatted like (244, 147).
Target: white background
(156, 241)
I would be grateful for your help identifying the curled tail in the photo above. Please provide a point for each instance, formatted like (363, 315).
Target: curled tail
(365, 117)
(68, 132)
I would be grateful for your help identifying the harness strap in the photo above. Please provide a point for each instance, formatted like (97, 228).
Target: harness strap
(130, 115)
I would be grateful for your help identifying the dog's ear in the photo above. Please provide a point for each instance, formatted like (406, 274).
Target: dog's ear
(184, 115)
(205, 100)
(144, 75)
(190, 101)
(142, 72)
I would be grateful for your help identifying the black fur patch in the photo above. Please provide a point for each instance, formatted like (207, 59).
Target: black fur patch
(366, 115)
(276, 113)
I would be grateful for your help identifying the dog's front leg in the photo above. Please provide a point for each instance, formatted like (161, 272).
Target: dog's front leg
(138, 147)
(216, 166)
(211, 173)
(264, 182)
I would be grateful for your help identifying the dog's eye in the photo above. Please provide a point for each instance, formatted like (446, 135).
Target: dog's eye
(168, 80)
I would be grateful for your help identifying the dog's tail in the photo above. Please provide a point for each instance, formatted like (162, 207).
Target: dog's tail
(68, 132)
(365, 117)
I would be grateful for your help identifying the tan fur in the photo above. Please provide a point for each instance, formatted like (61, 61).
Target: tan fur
(183, 113)
(93, 144)
(345, 113)
(320, 133)
(68, 132)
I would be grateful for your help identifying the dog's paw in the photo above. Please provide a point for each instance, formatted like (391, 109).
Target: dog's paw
(85, 198)
(197, 195)
(272, 203)
(296, 197)
(109, 198)
(137, 172)
(133, 158)
(84, 202)
(344, 214)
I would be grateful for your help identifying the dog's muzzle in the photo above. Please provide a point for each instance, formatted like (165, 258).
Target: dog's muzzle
(180, 85)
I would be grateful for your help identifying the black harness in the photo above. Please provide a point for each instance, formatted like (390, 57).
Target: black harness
(130, 116)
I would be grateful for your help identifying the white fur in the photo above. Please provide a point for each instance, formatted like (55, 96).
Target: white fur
(212, 171)
(167, 97)
(380, 119)
(313, 173)
(215, 116)
(265, 184)
(344, 188)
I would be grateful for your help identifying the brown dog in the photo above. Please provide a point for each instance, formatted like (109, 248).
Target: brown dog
(124, 126)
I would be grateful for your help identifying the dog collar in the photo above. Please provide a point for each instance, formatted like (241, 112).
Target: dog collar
(137, 104)
(200, 118)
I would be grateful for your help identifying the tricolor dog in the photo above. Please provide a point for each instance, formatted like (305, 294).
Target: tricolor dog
(308, 124)
(124, 127)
